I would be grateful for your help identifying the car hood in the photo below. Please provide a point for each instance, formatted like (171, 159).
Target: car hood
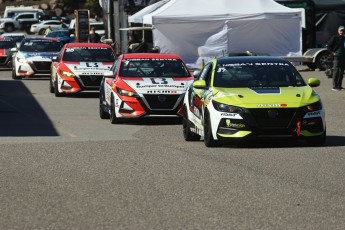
(158, 85)
(88, 68)
(37, 56)
(291, 97)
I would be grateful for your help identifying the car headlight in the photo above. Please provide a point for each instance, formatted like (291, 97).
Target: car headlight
(313, 107)
(22, 60)
(127, 93)
(66, 73)
(228, 108)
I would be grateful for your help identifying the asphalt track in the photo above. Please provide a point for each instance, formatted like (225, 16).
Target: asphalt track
(62, 167)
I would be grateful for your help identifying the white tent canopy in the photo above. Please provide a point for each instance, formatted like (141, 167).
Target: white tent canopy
(138, 17)
(263, 26)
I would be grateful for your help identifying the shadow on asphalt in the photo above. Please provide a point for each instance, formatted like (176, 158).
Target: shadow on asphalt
(20, 113)
(153, 121)
(331, 141)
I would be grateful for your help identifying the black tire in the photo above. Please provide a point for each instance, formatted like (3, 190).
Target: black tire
(324, 61)
(41, 31)
(187, 134)
(102, 113)
(208, 138)
(27, 30)
(9, 28)
(14, 75)
(51, 86)
(113, 119)
(317, 141)
(56, 90)
(311, 66)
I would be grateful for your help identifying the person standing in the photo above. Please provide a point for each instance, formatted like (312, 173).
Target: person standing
(94, 37)
(48, 30)
(62, 25)
(336, 45)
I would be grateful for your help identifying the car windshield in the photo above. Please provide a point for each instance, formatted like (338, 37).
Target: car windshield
(40, 46)
(7, 44)
(89, 54)
(153, 68)
(239, 75)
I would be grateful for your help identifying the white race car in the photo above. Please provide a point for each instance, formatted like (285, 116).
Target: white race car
(34, 57)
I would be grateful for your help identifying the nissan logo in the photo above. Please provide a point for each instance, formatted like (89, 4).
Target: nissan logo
(162, 98)
(272, 113)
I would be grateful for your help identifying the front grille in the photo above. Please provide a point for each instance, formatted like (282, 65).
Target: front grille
(262, 119)
(160, 101)
(91, 80)
(42, 65)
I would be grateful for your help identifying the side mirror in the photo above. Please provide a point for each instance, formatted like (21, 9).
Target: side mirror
(55, 59)
(313, 82)
(14, 49)
(109, 74)
(199, 84)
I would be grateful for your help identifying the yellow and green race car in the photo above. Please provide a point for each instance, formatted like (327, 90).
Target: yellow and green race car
(243, 97)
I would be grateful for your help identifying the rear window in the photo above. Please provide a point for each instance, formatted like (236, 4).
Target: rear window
(153, 68)
(89, 54)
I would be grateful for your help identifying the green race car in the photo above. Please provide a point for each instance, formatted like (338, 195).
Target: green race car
(243, 97)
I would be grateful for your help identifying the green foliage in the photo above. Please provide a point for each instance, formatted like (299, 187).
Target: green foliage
(91, 3)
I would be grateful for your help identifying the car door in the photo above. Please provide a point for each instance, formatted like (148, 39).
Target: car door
(109, 83)
(55, 64)
(197, 96)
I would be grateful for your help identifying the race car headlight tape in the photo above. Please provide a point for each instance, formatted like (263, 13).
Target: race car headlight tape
(66, 73)
(127, 93)
(313, 107)
(228, 108)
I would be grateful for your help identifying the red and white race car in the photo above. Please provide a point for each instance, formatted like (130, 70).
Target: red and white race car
(80, 67)
(144, 84)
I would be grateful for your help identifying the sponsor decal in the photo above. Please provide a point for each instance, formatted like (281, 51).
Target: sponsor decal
(86, 48)
(157, 81)
(149, 59)
(161, 92)
(91, 73)
(197, 102)
(252, 64)
(228, 114)
(91, 66)
(233, 125)
(312, 114)
(271, 105)
(159, 86)
(196, 112)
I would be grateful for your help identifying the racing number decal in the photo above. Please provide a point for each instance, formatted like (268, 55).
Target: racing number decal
(163, 81)
(91, 65)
